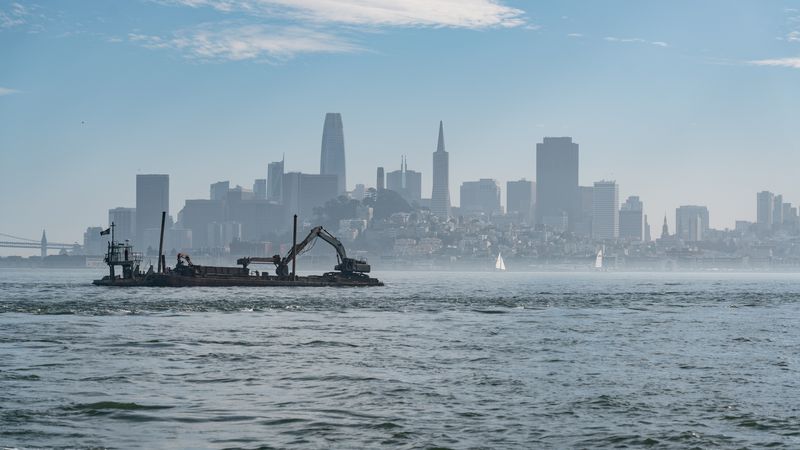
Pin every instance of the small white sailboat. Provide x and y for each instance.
(598, 261)
(500, 264)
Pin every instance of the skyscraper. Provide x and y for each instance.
(260, 189)
(380, 182)
(691, 222)
(440, 197)
(765, 201)
(520, 196)
(605, 215)
(557, 181)
(219, 190)
(152, 197)
(332, 155)
(407, 183)
(275, 181)
(124, 220)
(480, 197)
(632, 219)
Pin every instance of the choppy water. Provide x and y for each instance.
(431, 360)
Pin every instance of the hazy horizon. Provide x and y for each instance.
(679, 103)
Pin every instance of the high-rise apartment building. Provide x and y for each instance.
(605, 212)
(440, 197)
(557, 181)
(332, 160)
(152, 197)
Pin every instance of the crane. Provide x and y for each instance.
(345, 265)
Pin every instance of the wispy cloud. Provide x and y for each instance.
(7, 91)
(407, 13)
(14, 16)
(790, 62)
(575, 35)
(636, 41)
(242, 42)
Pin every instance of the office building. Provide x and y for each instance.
(520, 197)
(765, 202)
(196, 216)
(440, 197)
(332, 161)
(260, 189)
(275, 181)
(605, 212)
(124, 220)
(219, 190)
(93, 243)
(407, 183)
(480, 197)
(691, 222)
(557, 181)
(303, 192)
(777, 211)
(152, 197)
(632, 220)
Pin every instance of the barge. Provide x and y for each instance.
(348, 272)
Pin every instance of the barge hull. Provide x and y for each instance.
(172, 280)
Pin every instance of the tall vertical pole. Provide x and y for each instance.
(294, 245)
(161, 267)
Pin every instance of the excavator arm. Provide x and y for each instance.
(346, 264)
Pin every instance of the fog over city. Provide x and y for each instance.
(204, 92)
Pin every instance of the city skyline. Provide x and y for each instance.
(725, 131)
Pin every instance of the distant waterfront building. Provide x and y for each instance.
(260, 189)
(152, 197)
(765, 202)
(665, 229)
(646, 229)
(407, 183)
(520, 198)
(219, 190)
(380, 182)
(691, 222)
(275, 181)
(557, 181)
(93, 243)
(480, 197)
(632, 220)
(124, 220)
(605, 215)
(440, 197)
(332, 161)
(777, 211)
(43, 246)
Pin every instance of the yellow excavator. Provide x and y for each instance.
(345, 265)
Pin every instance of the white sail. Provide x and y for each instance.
(598, 262)
(500, 264)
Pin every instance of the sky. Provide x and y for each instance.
(681, 102)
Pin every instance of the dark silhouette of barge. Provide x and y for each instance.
(349, 272)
